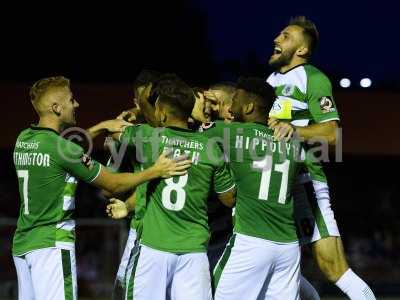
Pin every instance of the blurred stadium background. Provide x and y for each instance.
(103, 49)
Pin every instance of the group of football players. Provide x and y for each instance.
(245, 144)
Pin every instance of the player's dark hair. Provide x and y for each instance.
(177, 95)
(162, 78)
(40, 87)
(259, 90)
(309, 30)
(145, 77)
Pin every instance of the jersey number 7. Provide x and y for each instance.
(25, 176)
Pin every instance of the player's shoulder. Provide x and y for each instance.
(270, 78)
(24, 132)
(315, 75)
(45, 139)
(66, 147)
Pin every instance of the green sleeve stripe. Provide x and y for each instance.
(67, 272)
(301, 114)
(222, 263)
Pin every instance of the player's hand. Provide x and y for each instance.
(128, 115)
(166, 167)
(213, 100)
(115, 125)
(283, 131)
(144, 95)
(272, 122)
(116, 209)
(200, 110)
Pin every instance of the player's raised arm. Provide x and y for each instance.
(326, 130)
(123, 182)
(285, 130)
(115, 126)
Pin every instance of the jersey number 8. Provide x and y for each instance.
(180, 193)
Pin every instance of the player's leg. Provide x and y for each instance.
(25, 287)
(242, 269)
(328, 247)
(130, 244)
(284, 282)
(307, 291)
(148, 274)
(53, 273)
(119, 283)
(191, 279)
(330, 257)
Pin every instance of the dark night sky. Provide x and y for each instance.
(358, 38)
(112, 42)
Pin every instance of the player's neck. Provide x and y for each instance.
(177, 123)
(296, 61)
(47, 122)
(256, 118)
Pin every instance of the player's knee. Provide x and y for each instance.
(329, 255)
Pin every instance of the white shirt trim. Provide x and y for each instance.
(233, 186)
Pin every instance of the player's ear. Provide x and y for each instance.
(248, 108)
(56, 108)
(303, 51)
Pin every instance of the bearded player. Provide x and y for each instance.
(305, 105)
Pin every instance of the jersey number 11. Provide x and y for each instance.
(265, 165)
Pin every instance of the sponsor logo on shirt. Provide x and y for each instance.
(288, 90)
(326, 104)
(276, 106)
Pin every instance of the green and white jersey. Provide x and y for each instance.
(304, 97)
(264, 172)
(48, 167)
(176, 217)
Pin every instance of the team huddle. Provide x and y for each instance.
(245, 144)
